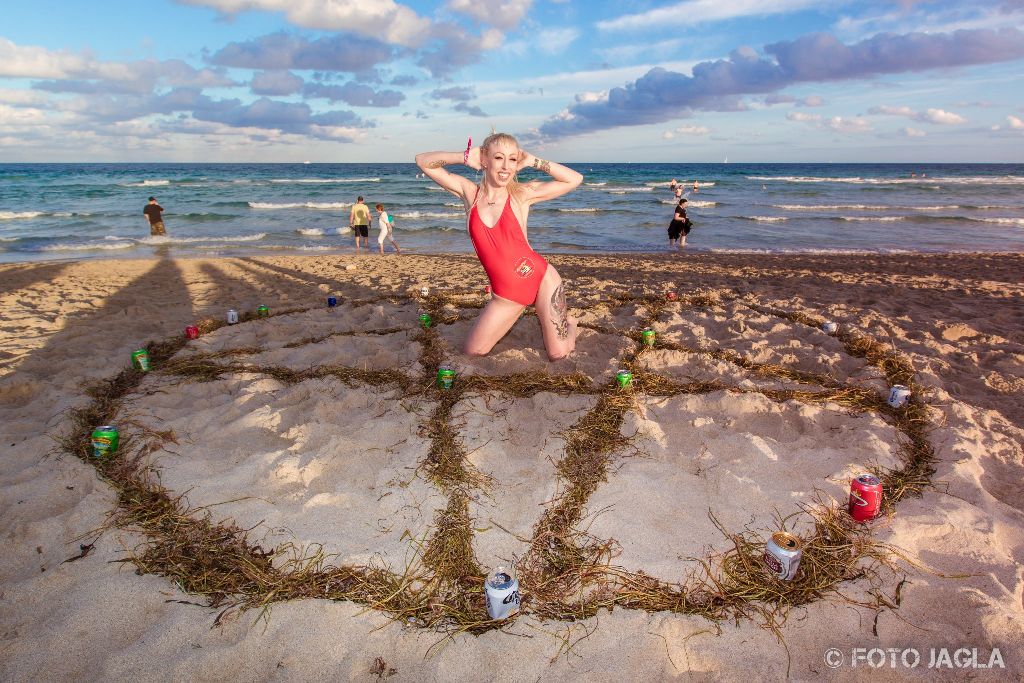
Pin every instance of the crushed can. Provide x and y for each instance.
(332, 301)
(501, 592)
(424, 320)
(263, 312)
(648, 338)
(830, 327)
(232, 317)
(898, 396)
(192, 332)
(671, 296)
(140, 360)
(424, 291)
(624, 378)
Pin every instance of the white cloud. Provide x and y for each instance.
(802, 117)
(854, 124)
(1015, 123)
(501, 13)
(913, 132)
(692, 130)
(939, 116)
(555, 41)
(692, 12)
(942, 117)
(383, 19)
(811, 101)
(630, 51)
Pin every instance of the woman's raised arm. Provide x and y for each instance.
(433, 163)
(563, 178)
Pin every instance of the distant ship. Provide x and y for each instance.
(726, 160)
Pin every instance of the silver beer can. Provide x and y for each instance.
(502, 593)
(830, 327)
(232, 317)
(898, 396)
(424, 291)
(782, 555)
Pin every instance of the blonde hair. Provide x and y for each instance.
(502, 139)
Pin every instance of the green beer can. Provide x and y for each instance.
(104, 441)
(445, 377)
(648, 337)
(140, 360)
(263, 312)
(424, 320)
(624, 378)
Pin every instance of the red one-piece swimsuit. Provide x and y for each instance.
(515, 270)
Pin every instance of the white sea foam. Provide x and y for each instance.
(588, 209)
(457, 205)
(300, 205)
(89, 246)
(863, 207)
(1004, 221)
(429, 214)
(344, 230)
(700, 204)
(323, 181)
(15, 215)
(622, 190)
(596, 184)
(312, 232)
(766, 219)
(873, 218)
(169, 239)
(147, 183)
(436, 188)
(857, 180)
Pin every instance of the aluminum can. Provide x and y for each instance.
(648, 337)
(263, 312)
(104, 441)
(865, 497)
(332, 301)
(830, 327)
(898, 396)
(671, 296)
(140, 360)
(192, 332)
(445, 377)
(232, 317)
(502, 593)
(782, 555)
(424, 291)
(624, 378)
(424, 320)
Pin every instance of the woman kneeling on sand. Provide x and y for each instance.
(497, 210)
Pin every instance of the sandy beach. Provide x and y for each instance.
(345, 463)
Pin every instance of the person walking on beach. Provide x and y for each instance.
(359, 221)
(497, 211)
(387, 227)
(679, 228)
(154, 212)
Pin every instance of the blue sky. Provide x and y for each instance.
(634, 80)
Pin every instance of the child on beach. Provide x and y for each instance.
(386, 226)
(497, 211)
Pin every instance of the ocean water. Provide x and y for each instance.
(59, 211)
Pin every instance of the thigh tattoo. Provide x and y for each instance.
(560, 312)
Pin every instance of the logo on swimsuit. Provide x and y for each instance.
(524, 268)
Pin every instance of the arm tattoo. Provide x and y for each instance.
(560, 312)
(437, 164)
(542, 165)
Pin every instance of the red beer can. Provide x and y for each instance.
(865, 497)
(192, 332)
(671, 296)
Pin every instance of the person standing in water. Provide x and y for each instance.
(497, 211)
(154, 212)
(387, 227)
(359, 221)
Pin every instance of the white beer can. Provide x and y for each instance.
(830, 327)
(502, 593)
(898, 396)
(424, 291)
(232, 317)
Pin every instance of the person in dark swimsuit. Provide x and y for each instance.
(496, 216)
